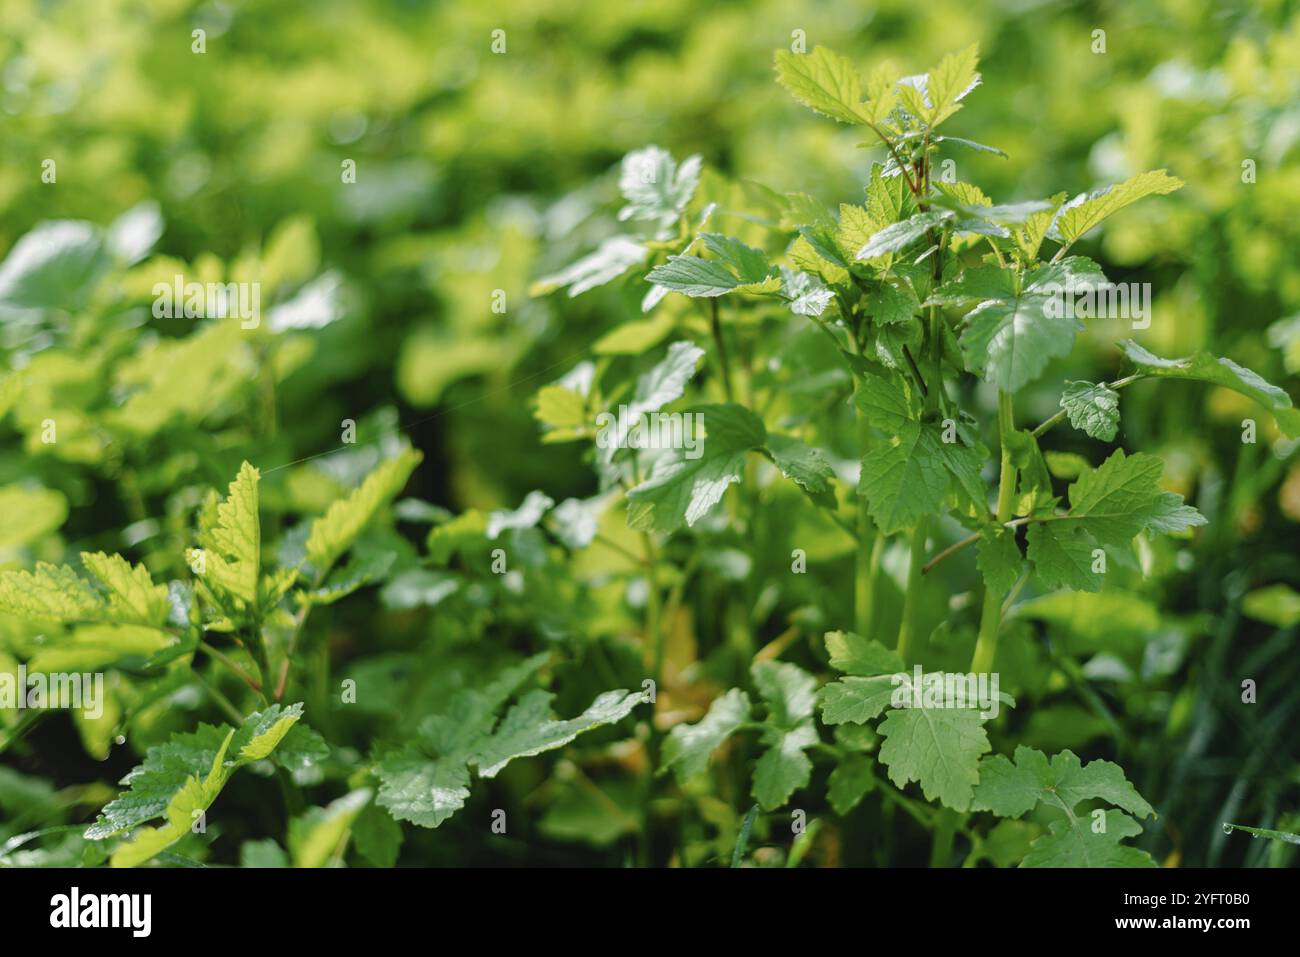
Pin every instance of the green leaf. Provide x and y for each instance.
(948, 83)
(997, 556)
(1118, 497)
(887, 197)
(1035, 482)
(788, 691)
(891, 303)
(1088, 209)
(978, 283)
(899, 236)
(806, 294)
(689, 746)
(855, 228)
(98, 646)
(54, 266)
(1223, 372)
(852, 778)
(528, 728)
(1062, 556)
(694, 276)
(783, 767)
(263, 731)
(133, 598)
(1007, 843)
(181, 380)
(333, 533)
(666, 381)
(1092, 408)
(51, 592)
(262, 854)
(904, 478)
(456, 535)
(634, 337)
(612, 258)
(182, 777)
(1029, 237)
(804, 465)
(564, 413)
(231, 541)
(193, 799)
(887, 402)
(318, 835)
(153, 783)
(57, 593)
(1275, 604)
(1010, 341)
(856, 700)
(655, 187)
(1013, 789)
(823, 81)
(963, 464)
(300, 749)
(527, 515)
(30, 513)
(1109, 505)
(977, 147)
(1074, 843)
(427, 780)
(422, 790)
(738, 268)
(681, 490)
(359, 572)
(376, 836)
(855, 655)
(939, 747)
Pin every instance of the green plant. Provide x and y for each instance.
(923, 287)
(863, 387)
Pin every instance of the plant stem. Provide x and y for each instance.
(871, 543)
(655, 637)
(243, 675)
(653, 625)
(951, 549)
(902, 167)
(221, 700)
(716, 325)
(991, 614)
(912, 597)
(944, 831)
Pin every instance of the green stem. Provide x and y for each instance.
(653, 627)
(912, 598)
(945, 830)
(655, 636)
(715, 323)
(986, 644)
(243, 675)
(221, 700)
(870, 546)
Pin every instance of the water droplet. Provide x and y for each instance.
(1227, 829)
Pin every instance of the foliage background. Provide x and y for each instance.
(479, 172)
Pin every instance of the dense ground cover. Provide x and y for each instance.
(375, 546)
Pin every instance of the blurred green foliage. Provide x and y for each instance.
(479, 172)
